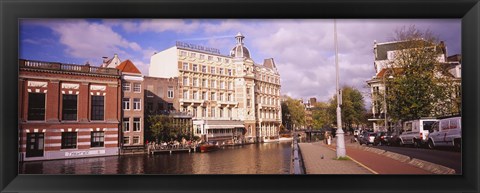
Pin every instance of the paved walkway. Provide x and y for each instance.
(312, 154)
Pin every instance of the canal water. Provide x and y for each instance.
(264, 158)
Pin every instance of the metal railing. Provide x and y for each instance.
(297, 162)
(67, 67)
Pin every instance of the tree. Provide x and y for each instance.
(293, 113)
(161, 127)
(320, 115)
(353, 108)
(419, 85)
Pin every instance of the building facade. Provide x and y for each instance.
(67, 111)
(212, 86)
(384, 55)
(133, 120)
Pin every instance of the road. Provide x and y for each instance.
(444, 157)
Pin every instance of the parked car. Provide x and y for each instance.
(415, 132)
(382, 138)
(367, 138)
(446, 132)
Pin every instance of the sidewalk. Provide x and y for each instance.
(362, 162)
(312, 154)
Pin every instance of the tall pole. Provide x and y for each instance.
(340, 135)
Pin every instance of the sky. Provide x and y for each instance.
(303, 49)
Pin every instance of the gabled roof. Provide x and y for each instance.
(128, 67)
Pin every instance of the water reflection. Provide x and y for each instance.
(267, 158)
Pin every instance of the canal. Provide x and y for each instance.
(264, 158)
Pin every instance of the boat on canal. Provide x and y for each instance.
(270, 139)
(207, 147)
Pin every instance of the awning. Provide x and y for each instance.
(223, 124)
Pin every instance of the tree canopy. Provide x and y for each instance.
(419, 85)
(293, 113)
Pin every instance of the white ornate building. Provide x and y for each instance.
(231, 98)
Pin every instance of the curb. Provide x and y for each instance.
(428, 166)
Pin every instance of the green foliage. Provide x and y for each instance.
(320, 116)
(419, 85)
(293, 113)
(163, 128)
(353, 108)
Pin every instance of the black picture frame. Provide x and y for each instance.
(11, 11)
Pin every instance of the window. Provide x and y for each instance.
(229, 97)
(192, 55)
(126, 104)
(170, 106)
(137, 104)
(220, 71)
(212, 111)
(248, 91)
(204, 69)
(210, 58)
(221, 97)
(212, 96)
(170, 92)
(222, 84)
(126, 124)
(185, 94)
(126, 140)
(136, 124)
(204, 112)
(69, 107)
(221, 112)
(194, 111)
(195, 95)
(69, 140)
(36, 106)
(136, 140)
(219, 59)
(150, 91)
(248, 102)
(185, 66)
(195, 67)
(212, 70)
(149, 106)
(226, 60)
(160, 106)
(204, 83)
(185, 81)
(97, 107)
(230, 72)
(183, 53)
(204, 96)
(137, 87)
(229, 110)
(212, 83)
(97, 139)
(202, 57)
(195, 82)
(230, 85)
(126, 87)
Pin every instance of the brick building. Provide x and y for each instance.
(67, 111)
(133, 106)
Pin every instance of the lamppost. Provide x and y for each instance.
(339, 133)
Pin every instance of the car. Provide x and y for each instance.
(383, 138)
(415, 132)
(446, 132)
(367, 138)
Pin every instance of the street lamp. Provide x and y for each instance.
(341, 152)
(385, 99)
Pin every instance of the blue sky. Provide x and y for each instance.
(302, 49)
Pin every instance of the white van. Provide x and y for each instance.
(446, 132)
(415, 132)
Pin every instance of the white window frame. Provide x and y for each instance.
(128, 102)
(126, 85)
(135, 87)
(139, 124)
(137, 105)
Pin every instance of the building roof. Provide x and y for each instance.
(128, 67)
(269, 63)
(383, 48)
(240, 51)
